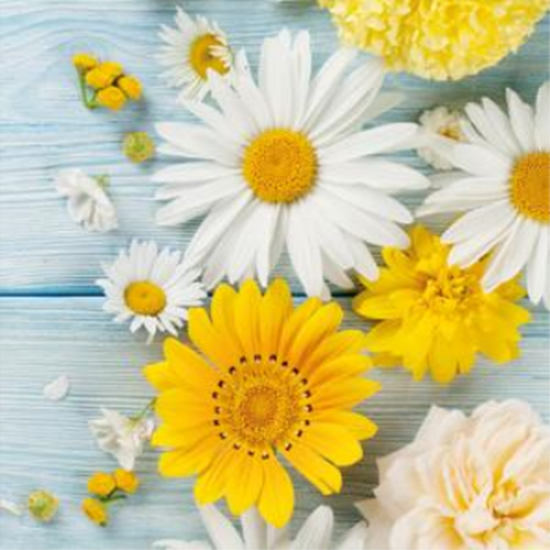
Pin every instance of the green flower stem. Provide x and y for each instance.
(88, 102)
(149, 407)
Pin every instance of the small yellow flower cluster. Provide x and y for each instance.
(107, 488)
(111, 87)
(138, 147)
(437, 39)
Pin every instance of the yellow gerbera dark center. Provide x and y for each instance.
(202, 58)
(145, 298)
(530, 186)
(261, 406)
(280, 165)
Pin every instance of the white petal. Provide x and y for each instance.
(480, 161)
(254, 529)
(58, 388)
(512, 255)
(522, 120)
(355, 538)
(542, 119)
(302, 75)
(363, 260)
(382, 139)
(316, 532)
(11, 507)
(537, 269)
(220, 530)
(482, 188)
(192, 172)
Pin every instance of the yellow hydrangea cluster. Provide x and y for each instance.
(437, 39)
(111, 87)
(107, 488)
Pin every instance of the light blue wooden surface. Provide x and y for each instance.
(50, 312)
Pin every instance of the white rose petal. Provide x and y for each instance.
(58, 388)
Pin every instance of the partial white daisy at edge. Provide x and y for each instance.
(315, 534)
(152, 288)
(191, 49)
(87, 202)
(503, 186)
(284, 163)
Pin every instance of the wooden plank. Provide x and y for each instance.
(44, 127)
(47, 445)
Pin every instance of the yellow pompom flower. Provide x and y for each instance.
(435, 317)
(95, 511)
(43, 505)
(101, 484)
(437, 39)
(99, 79)
(275, 382)
(111, 68)
(131, 86)
(126, 481)
(111, 97)
(84, 61)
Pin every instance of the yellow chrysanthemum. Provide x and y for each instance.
(436, 317)
(437, 39)
(276, 382)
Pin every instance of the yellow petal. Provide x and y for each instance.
(245, 481)
(333, 442)
(160, 376)
(190, 368)
(186, 462)
(212, 482)
(247, 314)
(376, 307)
(179, 405)
(318, 327)
(276, 502)
(326, 477)
(223, 317)
(275, 309)
(443, 361)
(296, 320)
(344, 395)
(345, 366)
(360, 426)
(381, 337)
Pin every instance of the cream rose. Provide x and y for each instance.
(477, 483)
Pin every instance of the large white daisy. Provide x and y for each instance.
(503, 184)
(192, 49)
(315, 534)
(152, 288)
(284, 162)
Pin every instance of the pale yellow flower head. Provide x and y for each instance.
(435, 317)
(43, 505)
(437, 39)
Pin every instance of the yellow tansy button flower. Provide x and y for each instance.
(131, 86)
(126, 481)
(95, 511)
(111, 97)
(43, 505)
(101, 484)
(434, 317)
(273, 382)
(85, 61)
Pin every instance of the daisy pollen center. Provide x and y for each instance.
(145, 298)
(280, 166)
(530, 186)
(202, 58)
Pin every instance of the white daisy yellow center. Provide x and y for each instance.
(202, 58)
(530, 186)
(262, 405)
(280, 165)
(145, 298)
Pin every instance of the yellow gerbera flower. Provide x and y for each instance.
(437, 39)
(276, 381)
(436, 317)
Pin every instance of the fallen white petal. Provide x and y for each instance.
(57, 389)
(10, 507)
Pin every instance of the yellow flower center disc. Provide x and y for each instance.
(530, 186)
(280, 166)
(145, 298)
(202, 58)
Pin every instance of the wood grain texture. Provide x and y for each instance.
(56, 326)
(45, 444)
(45, 128)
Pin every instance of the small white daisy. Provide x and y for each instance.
(284, 162)
(152, 288)
(122, 437)
(439, 125)
(192, 49)
(503, 186)
(87, 202)
(315, 534)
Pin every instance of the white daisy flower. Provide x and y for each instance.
(87, 204)
(440, 125)
(503, 186)
(284, 163)
(122, 437)
(190, 51)
(315, 534)
(152, 288)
